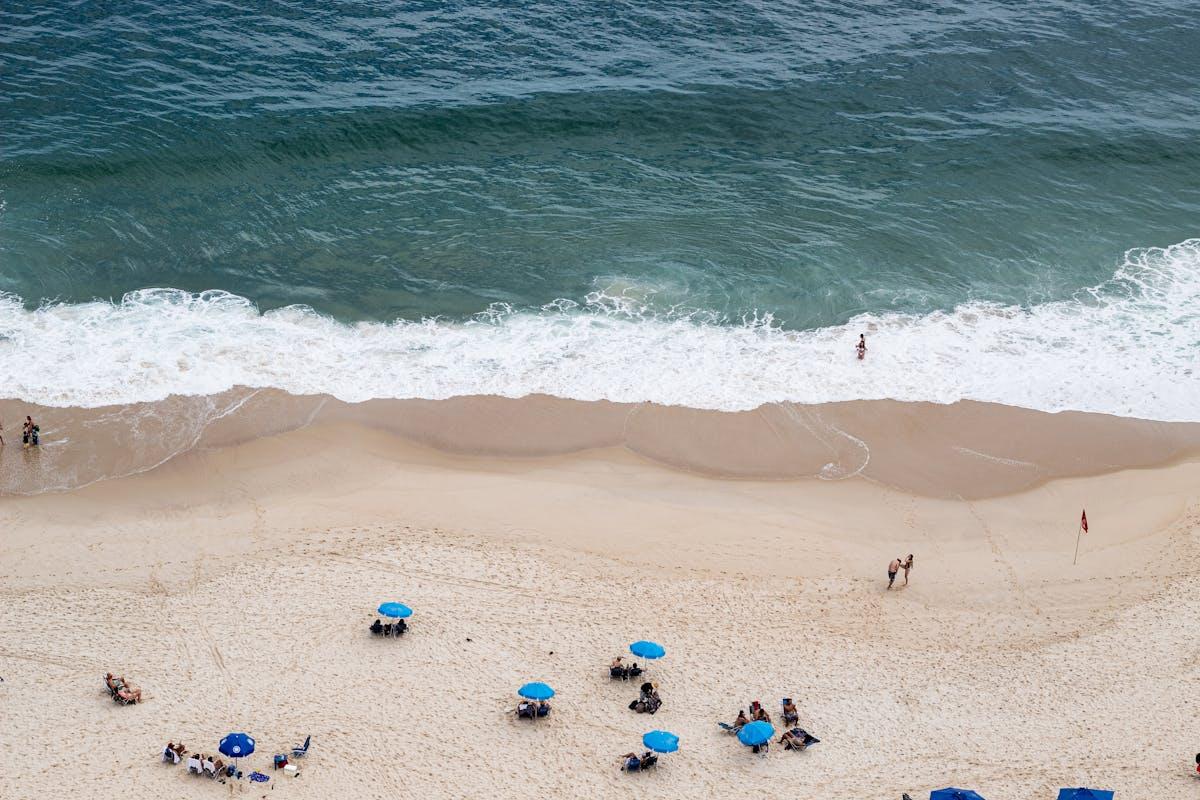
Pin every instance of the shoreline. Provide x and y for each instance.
(967, 449)
(234, 585)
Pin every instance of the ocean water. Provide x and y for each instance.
(694, 204)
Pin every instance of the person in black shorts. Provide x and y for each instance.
(893, 568)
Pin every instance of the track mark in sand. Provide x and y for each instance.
(44, 658)
(1009, 571)
(454, 580)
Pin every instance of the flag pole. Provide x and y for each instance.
(1078, 533)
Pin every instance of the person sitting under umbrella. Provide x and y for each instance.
(218, 767)
(617, 669)
(210, 768)
(632, 762)
(543, 708)
(526, 708)
(377, 627)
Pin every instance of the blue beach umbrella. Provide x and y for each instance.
(1084, 794)
(237, 745)
(661, 741)
(651, 650)
(536, 691)
(396, 610)
(953, 794)
(755, 733)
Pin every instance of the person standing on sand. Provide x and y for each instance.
(907, 566)
(893, 568)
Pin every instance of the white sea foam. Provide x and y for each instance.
(1127, 347)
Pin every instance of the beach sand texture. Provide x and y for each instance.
(235, 586)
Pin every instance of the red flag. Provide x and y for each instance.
(1083, 521)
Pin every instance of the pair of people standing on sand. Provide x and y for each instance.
(899, 564)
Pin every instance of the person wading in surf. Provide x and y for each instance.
(862, 346)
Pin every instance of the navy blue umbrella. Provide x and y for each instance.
(237, 745)
(1084, 794)
(536, 691)
(651, 650)
(661, 741)
(395, 610)
(953, 794)
(755, 733)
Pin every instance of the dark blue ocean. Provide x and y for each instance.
(692, 203)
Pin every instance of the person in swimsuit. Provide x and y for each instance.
(862, 346)
(893, 568)
(27, 431)
(907, 566)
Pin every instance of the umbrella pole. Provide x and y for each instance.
(1078, 534)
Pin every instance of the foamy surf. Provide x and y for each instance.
(1127, 347)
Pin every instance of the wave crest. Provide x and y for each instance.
(1126, 347)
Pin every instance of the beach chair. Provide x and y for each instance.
(648, 761)
(376, 628)
(730, 729)
(807, 740)
(194, 766)
(169, 756)
(302, 750)
(631, 765)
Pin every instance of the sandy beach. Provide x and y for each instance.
(235, 583)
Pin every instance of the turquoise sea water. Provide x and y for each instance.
(691, 203)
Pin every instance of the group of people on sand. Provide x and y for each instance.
(390, 629)
(198, 764)
(122, 690)
(898, 564)
(529, 709)
(31, 433)
(648, 701)
(632, 762)
(617, 670)
(794, 738)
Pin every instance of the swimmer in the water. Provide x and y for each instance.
(862, 346)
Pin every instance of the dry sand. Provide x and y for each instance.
(235, 586)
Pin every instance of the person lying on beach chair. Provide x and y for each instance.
(737, 725)
(797, 739)
(791, 715)
(121, 690)
(377, 627)
(526, 710)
